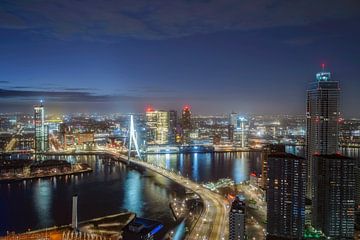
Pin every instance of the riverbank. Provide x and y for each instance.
(48, 175)
(215, 206)
(107, 227)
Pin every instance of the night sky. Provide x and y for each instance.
(252, 56)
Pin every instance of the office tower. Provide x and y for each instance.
(333, 203)
(240, 129)
(232, 126)
(74, 222)
(268, 149)
(241, 132)
(41, 129)
(231, 133)
(186, 124)
(322, 117)
(237, 220)
(357, 186)
(158, 126)
(357, 193)
(173, 126)
(186, 118)
(233, 119)
(285, 196)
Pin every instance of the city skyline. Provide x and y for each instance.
(184, 119)
(78, 64)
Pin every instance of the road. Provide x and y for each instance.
(11, 145)
(256, 226)
(213, 223)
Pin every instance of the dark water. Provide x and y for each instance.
(110, 188)
(113, 187)
(204, 167)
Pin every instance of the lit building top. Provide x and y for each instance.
(323, 76)
(186, 108)
(150, 109)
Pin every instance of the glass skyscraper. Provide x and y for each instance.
(158, 127)
(41, 130)
(322, 119)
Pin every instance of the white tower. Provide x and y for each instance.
(74, 223)
(132, 138)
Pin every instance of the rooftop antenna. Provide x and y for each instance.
(323, 67)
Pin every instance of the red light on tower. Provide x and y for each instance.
(186, 107)
(149, 109)
(323, 67)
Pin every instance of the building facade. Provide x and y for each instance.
(240, 129)
(322, 120)
(186, 124)
(333, 203)
(237, 220)
(158, 127)
(173, 123)
(267, 150)
(41, 129)
(285, 195)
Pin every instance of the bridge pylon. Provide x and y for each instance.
(132, 138)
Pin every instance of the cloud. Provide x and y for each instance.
(4, 81)
(66, 96)
(74, 95)
(77, 89)
(159, 19)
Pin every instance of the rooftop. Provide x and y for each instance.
(332, 156)
(284, 155)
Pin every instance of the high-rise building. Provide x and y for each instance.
(41, 129)
(267, 150)
(285, 196)
(186, 124)
(231, 133)
(322, 119)
(158, 127)
(333, 203)
(357, 192)
(240, 128)
(237, 220)
(173, 126)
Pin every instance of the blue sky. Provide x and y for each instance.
(217, 56)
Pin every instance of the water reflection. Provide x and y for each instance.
(204, 167)
(42, 201)
(181, 161)
(195, 167)
(133, 193)
(240, 170)
(110, 188)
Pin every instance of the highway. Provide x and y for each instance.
(256, 226)
(213, 223)
(11, 145)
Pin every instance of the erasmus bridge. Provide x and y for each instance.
(213, 221)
